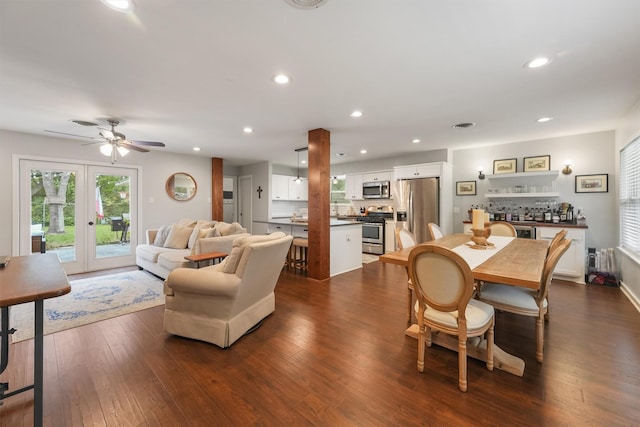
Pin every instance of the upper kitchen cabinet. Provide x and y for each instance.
(284, 187)
(353, 187)
(377, 176)
(425, 170)
(298, 190)
(523, 184)
(279, 187)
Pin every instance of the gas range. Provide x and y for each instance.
(375, 217)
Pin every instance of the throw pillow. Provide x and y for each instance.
(224, 228)
(195, 234)
(161, 235)
(178, 237)
(213, 232)
(186, 222)
(231, 262)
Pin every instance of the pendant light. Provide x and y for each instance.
(298, 180)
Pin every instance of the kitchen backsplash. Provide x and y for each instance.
(286, 208)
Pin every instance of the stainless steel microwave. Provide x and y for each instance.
(376, 190)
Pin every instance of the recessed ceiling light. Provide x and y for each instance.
(247, 129)
(544, 119)
(125, 6)
(415, 141)
(196, 148)
(281, 79)
(363, 151)
(356, 113)
(306, 4)
(341, 154)
(537, 62)
(464, 125)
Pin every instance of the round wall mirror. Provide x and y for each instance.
(181, 186)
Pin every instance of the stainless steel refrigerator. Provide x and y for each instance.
(416, 204)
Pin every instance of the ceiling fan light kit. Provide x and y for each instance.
(305, 4)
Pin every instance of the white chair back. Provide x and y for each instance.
(435, 231)
(405, 238)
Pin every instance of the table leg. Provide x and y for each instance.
(38, 362)
(477, 349)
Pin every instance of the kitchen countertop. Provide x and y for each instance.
(287, 221)
(542, 224)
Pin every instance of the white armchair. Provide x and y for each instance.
(219, 304)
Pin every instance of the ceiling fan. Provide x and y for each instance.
(113, 142)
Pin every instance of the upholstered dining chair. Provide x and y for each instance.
(435, 231)
(502, 228)
(406, 239)
(444, 285)
(524, 301)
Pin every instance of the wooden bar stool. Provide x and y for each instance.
(298, 254)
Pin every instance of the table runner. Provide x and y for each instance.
(475, 257)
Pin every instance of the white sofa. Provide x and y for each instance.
(161, 256)
(220, 303)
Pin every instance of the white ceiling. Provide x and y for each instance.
(195, 72)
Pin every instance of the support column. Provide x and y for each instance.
(217, 174)
(319, 203)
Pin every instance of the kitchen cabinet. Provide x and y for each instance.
(377, 176)
(425, 170)
(353, 187)
(273, 227)
(279, 187)
(571, 264)
(523, 185)
(389, 235)
(298, 190)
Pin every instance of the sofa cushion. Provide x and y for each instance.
(195, 234)
(212, 232)
(186, 222)
(232, 262)
(149, 252)
(161, 235)
(172, 259)
(178, 237)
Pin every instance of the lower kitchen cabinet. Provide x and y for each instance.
(571, 265)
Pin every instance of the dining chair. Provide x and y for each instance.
(435, 231)
(406, 239)
(560, 235)
(444, 285)
(502, 228)
(524, 301)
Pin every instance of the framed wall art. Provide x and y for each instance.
(592, 183)
(465, 188)
(504, 166)
(536, 164)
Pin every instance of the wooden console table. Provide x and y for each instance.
(209, 256)
(25, 279)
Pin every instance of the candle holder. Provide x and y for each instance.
(480, 236)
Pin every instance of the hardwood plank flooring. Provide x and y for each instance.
(334, 353)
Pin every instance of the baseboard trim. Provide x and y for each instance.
(634, 300)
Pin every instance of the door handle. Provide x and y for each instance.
(90, 222)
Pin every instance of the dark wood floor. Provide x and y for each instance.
(335, 354)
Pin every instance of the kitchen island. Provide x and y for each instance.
(345, 240)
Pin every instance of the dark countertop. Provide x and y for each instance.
(287, 221)
(542, 224)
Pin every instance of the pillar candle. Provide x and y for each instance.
(478, 219)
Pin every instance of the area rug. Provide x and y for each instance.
(91, 300)
(367, 258)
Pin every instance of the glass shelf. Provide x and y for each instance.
(553, 173)
(522, 195)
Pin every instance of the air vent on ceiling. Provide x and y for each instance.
(305, 4)
(464, 125)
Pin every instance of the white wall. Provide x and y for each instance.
(628, 130)
(156, 207)
(591, 153)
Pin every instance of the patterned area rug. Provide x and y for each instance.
(90, 300)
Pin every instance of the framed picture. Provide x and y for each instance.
(504, 166)
(465, 188)
(592, 183)
(536, 164)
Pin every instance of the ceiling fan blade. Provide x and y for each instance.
(84, 123)
(148, 143)
(73, 134)
(129, 146)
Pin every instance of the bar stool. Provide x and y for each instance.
(298, 254)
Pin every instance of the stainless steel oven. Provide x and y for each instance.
(525, 231)
(373, 237)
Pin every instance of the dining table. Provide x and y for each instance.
(508, 260)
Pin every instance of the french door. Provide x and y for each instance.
(86, 214)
